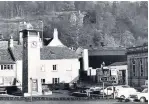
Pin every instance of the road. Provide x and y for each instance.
(69, 102)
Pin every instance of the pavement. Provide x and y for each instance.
(70, 102)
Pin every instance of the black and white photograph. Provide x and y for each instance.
(73, 52)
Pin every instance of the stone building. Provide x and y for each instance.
(137, 60)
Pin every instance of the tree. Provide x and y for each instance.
(128, 39)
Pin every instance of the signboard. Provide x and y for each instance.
(91, 72)
(113, 72)
(104, 79)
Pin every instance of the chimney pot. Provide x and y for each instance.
(55, 34)
(10, 43)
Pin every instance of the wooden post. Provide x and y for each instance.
(103, 89)
(31, 87)
(113, 91)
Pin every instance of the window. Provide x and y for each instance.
(5, 67)
(55, 80)
(42, 81)
(11, 66)
(42, 68)
(133, 67)
(141, 68)
(54, 67)
(2, 67)
(8, 66)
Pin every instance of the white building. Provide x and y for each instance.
(54, 63)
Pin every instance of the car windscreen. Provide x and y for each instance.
(145, 90)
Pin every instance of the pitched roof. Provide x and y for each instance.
(17, 52)
(6, 62)
(5, 55)
(4, 44)
(107, 51)
(118, 63)
(47, 53)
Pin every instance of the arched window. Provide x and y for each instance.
(141, 68)
(133, 67)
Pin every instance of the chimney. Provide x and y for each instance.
(85, 60)
(40, 42)
(55, 34)
(20, 37)
(10, 42)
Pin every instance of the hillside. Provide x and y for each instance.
(80, 23)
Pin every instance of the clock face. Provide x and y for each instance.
(34, 44)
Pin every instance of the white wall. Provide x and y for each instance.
(67, 70)
(7, 75)
(85, 60)
(19, 70)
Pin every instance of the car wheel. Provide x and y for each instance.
(122, 96)
(142, 99)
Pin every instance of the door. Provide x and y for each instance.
(34, 85)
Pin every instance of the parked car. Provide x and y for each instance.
(95, 88)
(124, 93)
(145, 85)
(110, 89)
(141, 96)
(82, 93)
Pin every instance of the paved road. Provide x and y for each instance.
(69, 102)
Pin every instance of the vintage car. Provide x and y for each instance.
(141, 96)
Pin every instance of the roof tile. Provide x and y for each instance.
(47, 53)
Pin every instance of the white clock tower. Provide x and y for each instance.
(31, 82)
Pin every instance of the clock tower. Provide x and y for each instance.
(31, 82)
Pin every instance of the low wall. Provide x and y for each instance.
(50, 98)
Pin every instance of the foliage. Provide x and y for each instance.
(80, 23)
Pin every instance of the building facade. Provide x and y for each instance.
(115, 73)
(36, 64)
(137, 59)
(7, 73)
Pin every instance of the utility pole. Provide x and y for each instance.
(103, 88)
(42, 31)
